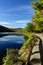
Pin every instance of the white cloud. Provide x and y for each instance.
(18, 8)
(15, 24)
(1, 23)
(23, 21)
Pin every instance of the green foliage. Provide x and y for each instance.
(11, 57)
(29, 27)
(37, 5)
(23, 52)
(30, 38)
(37, 19)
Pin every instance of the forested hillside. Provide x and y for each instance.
(4, 29)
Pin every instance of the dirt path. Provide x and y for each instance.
(37, 52)
(40, 36)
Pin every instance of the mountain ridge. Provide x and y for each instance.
(5, 29)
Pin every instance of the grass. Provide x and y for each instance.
(30, 37)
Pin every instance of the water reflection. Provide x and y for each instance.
(2, 35)
(9, 41)
(10, 33)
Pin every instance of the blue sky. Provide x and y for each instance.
(15, 13)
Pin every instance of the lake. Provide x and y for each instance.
(10, 40)
(8, 32)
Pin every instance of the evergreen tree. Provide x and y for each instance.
(38, 16)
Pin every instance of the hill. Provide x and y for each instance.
(17, 29)
(5, 29)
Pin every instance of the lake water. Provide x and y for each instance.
(9, 41)
(10, 33)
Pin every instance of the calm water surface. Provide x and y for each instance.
(9, 41)
(10, 33)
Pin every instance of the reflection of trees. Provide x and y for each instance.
(2, 35)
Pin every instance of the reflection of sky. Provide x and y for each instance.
(15, 13)
(14, 39)
(11, 42)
